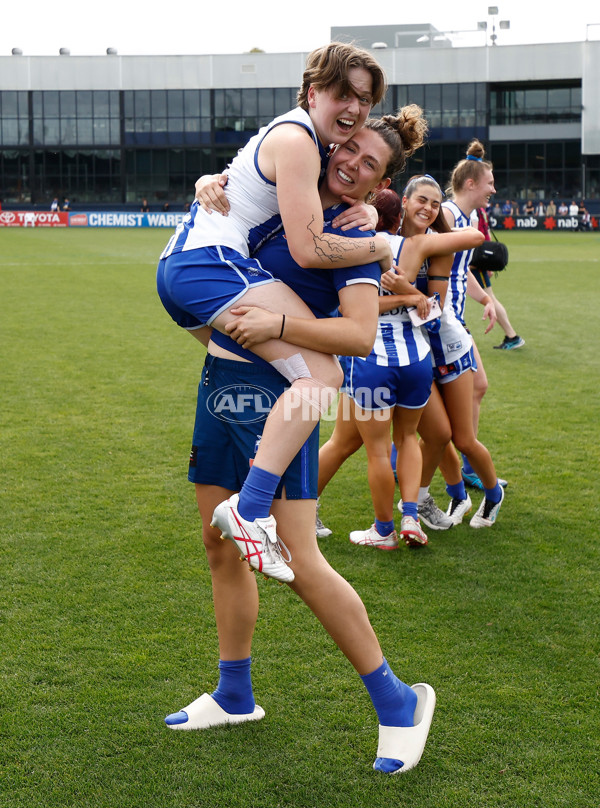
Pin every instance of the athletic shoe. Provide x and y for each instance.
(487, 512)
(458, 508)
(473, 481)
(412, 533)
(371, 538)
(321, 530)
(434, 517)
(509, 343)
(257, 541)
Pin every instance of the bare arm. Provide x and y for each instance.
(210, 193)
(289, 158)
(351, 335)
(475, 291)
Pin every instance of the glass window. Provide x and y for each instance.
(129, 104)
(466, 105)
(449, 105)
(10, 105)
(101, 131)
(554, 154)
(68, 131)
(517, 155)
(159, 103)
(285, 99)
(191, 103)
(102, 105)
(68, 107)
(174, 103)
(573, 157)
(401, 92)
(84, 131)
(84, 104)
(141, 100)
(50, 101)
(249, 103)
(266, 107)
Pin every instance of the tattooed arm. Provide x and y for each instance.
(288, 157)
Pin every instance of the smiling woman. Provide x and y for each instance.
(223, 450)
(206, 267)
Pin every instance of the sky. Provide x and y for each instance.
(134, 27)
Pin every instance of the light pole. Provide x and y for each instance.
(503, 24)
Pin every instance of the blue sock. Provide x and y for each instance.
(234, 691)
(494, 494)
(410, 509)
(467, 467)
(457, 491)
(256, 496)
(384, 528)
(394, 701)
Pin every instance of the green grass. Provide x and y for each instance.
(105, 604)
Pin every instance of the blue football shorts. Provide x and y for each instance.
(379, 387)
(447, 373)
(195, 286)
(234, 400)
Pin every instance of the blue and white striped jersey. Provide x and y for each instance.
(398, 341)
(457, 288)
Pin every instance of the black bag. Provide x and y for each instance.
(491, 256)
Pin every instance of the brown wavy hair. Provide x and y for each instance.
(329, 66)
(403, 132)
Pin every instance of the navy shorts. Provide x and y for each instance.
(234, 400)
(195, 286)
(380, 387)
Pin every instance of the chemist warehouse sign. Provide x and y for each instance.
(22, 218)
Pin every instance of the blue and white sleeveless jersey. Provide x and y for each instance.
(398, 341)
(452, 340)
(252, 198)
(457, 287)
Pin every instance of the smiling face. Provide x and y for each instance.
(357, 166)
(422, 207)
(337, 115)
(482, 189)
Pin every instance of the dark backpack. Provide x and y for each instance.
(491, 256)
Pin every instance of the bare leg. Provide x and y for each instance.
(458, 400)
(410, 459)
(480, 386)
(502, 316)
(235, 594)
(435, 431)
(344, 441)
(330, 597)
(374, 429)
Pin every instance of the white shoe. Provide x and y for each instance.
(434, 517)
(406, 744)
(257, 541)
(321, 531)
(412, 533)
(205, 712)
(487, 512)
(458, 508)
(371, 538)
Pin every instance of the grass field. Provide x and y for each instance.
(105, 600)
